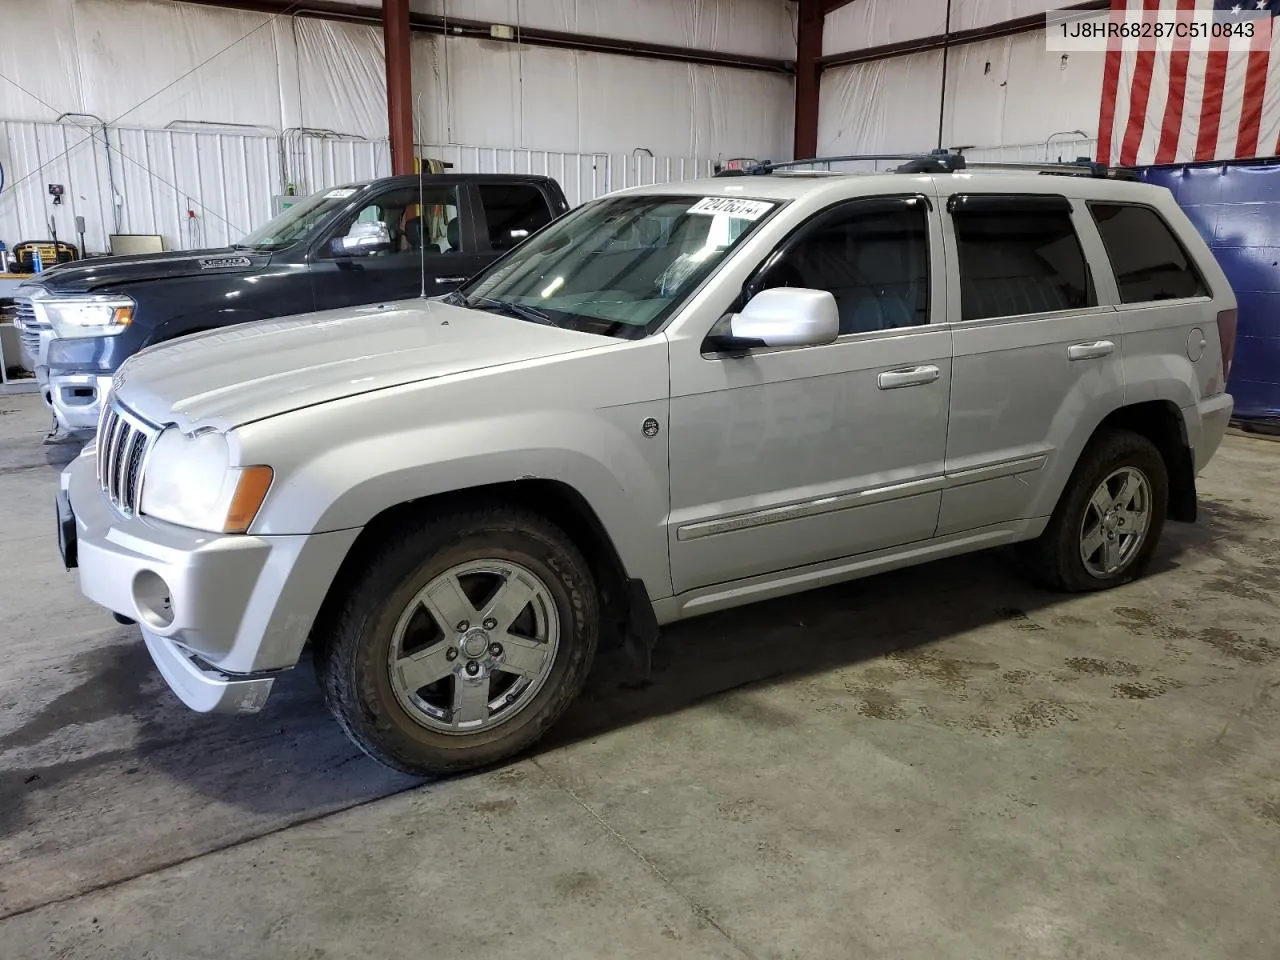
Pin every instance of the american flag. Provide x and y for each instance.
(1182, 100)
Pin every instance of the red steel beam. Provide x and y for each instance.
(810, 16)
(530, 36)
(395, 34)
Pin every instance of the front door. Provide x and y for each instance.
(793, 456)
(1037, 360)
(429, 239)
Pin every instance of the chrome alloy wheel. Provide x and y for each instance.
(1115, 522)
(474, 647)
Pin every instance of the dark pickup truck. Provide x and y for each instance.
(359, 243)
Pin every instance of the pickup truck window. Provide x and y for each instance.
(618, 266)
(512, 211)
(296, 222)
(411, 219)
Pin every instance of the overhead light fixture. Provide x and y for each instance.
(502, 31)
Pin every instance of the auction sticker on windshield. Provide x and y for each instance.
(732, 207)
(340, 194)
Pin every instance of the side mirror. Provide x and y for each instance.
(362, 240)
(782, 317)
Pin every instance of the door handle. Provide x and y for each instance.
(450, 279)
(908, 377)
(1090, 351)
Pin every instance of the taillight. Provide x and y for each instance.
(1227, 338)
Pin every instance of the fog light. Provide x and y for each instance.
(151, 597)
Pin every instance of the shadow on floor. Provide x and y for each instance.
(292, 759)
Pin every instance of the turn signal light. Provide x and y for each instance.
(122, 316)
(251, 490)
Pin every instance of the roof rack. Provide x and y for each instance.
(946, 161)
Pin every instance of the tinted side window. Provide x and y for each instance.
(1148, 260)
(512, 212)
(873, 257)
(1017, 261)
(411, 220)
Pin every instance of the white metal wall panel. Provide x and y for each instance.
(884, 106)
(37, 46)
(1003, 91)
(1010, 90)
(968, 14)
(228, 180)
(339, 82)
(489, 93)
(1055, 150)
(157, 175)
(195, 63)
(253, 72)
(873, 23)
(764, 28)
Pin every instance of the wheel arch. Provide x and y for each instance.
(1161, 422)
(555, 500)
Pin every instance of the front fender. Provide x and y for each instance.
(387, 448)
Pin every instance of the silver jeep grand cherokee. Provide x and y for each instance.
(673, 400)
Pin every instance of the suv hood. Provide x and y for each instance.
(83, 276)
(224, 378)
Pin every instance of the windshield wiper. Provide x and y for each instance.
(510, 308)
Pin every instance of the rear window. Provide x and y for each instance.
(1019, 258)
(512, 212)
(1149, 261)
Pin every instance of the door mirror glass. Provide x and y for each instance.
(787, 317)
(363, 239)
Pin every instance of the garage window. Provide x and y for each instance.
(1018, 256)
(512, 212)
(1148, 260)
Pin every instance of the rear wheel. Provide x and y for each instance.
(462, 642)
(1109, 518)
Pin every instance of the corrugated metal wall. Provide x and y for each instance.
(126, 180)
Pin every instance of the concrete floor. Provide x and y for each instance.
(940, 762)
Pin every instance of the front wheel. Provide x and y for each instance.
(462, 642)
(1109, 518)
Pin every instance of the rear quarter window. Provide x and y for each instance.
(1149, 261)
(512, 211)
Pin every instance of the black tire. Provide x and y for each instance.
(1054, 558)
(352, 649)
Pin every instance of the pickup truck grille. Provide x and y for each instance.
(123, 444)
(29, 325)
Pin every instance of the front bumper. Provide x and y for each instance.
(219, 613)
(1212, 417)
(76, 399)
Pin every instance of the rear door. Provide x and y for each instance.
(1036, 358)
(431, 240)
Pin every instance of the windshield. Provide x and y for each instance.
(298, 221)
(618, 266)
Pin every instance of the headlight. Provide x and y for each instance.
(88, 316)
(190, 482)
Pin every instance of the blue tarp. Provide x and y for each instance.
(1236, 208)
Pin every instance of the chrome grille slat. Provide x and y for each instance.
(29, 325)
(123, 444)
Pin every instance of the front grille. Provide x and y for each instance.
(123, 444)
(29, 325)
